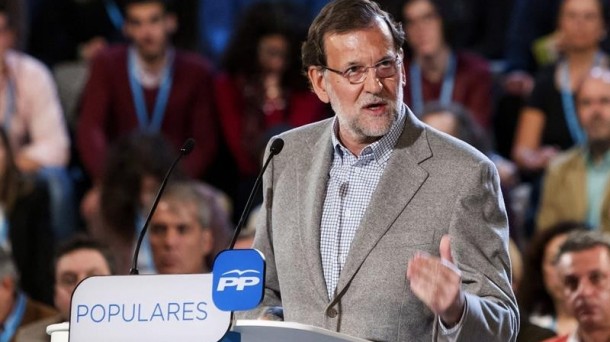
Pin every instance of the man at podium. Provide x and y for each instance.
(373, 224)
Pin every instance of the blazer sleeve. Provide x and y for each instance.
(479, 244)
(263, 241)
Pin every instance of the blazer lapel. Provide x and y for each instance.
(312, 178)
(386, 204)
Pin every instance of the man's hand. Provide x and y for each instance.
(436, 282)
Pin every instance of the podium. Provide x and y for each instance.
(264, 331)
(252, 331)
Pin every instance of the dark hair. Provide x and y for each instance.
(130, 159)
(468, 130)
(603, 7)
(342, 16)
(443, 15)
(533, 297)
(261, 20)
(8, 10)
(167, 4)
(584, 240)
(84, 241)
(11, 182)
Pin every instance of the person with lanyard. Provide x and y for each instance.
(150, 87)
(576, 182)
(436, 72)
(549, 123)
(31, 115)
(16, 309)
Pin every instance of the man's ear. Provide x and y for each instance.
(316, 78)
(401, 58)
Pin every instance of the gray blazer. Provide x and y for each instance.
(432, 185)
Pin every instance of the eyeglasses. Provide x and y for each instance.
(357, 74)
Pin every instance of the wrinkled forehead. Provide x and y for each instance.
(585, 262)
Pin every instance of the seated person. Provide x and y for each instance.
(188, 228)
(16, 308)
(77, 259)
(576, 183)
(583, 264)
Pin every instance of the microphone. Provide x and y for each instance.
(276, 147)
(187, 147)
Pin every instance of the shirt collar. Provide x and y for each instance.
(603, 165)
(380, 149)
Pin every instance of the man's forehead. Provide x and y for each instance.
(585, 261)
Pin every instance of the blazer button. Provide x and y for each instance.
(332, 313)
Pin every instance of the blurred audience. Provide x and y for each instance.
(583, 263)
(458, 122)
(115, 211)
(25, 229)
(436, 71)
(261, 87)
(188, 229)
(33, 118)
(16, 308)
(148, 86)
(77, 258)
(540, 297)
(576, 182)
(70, 30)
(549, 122)
(528, 332)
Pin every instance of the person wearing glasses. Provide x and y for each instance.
(77, 258)
(374, 224)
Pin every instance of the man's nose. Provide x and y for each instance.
(372, 83)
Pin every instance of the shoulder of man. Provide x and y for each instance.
(37, 330)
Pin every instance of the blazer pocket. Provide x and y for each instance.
(407, 239)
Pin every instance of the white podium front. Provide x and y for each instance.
(264, 331)
(252, 331)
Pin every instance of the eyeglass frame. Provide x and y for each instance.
(396, 60)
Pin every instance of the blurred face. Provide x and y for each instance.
(443, 121)
(423, 27)
(273, 53)
(365, 111)
(7, 38)
(71, 269)
(581, 24)
(552, 282)
(149, 28)
(586, 279)
(594, 109)
(179, 243)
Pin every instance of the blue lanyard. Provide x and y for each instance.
(4, 241)
(14, 319)
(567, 100)
(153, 126)
(114, 13)
(417, 97)
(9, 108)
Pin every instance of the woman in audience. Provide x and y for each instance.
(435, 71)
(261, 87)
(540, 295)
(549, 122)
(25, 229)
(134, 169)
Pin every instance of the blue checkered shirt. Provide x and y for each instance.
(350, 186)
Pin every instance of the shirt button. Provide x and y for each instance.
(332, 313)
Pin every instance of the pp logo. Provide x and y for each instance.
(240, 282)
(238, 279)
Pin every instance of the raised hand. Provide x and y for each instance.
(437, 283)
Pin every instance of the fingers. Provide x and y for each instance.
(434, 281)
